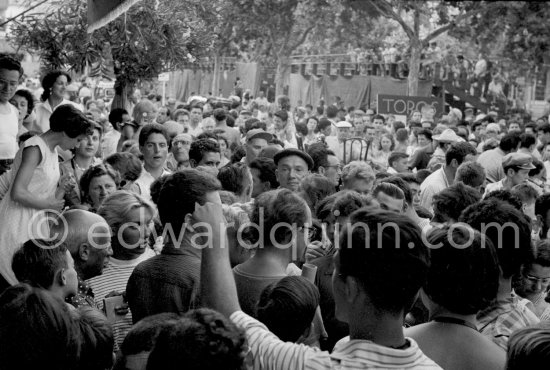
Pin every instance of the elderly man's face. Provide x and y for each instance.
(290, 172)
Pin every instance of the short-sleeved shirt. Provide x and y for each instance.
(503, 317)
(269, 352)
(433, 184)
(491, 160)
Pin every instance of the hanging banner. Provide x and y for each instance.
(405, 105)
(101, 12)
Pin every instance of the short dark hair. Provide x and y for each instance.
(509, 142)
(36, 330)
(347, 202)
(150, 129)
(445, 202)
(459, 151)
(527, 140)
(202, 339)
(379, 116)
(470, 173)
(156, 188)
(143, 335)
(220, 114)
(528, 347)
(332, 111)
(426, 132)
(408, 177)
(115, 116)
(401, 184)
(68, 119)
(287, 307)
(463, 280)
(11, 64)
(368, 253)
(395, 156)
(283, 115)
(180, 192)
(544, 127)
(127, 164)
(49, 80)
(319, 153)
(323, 124)
(389, 189)
(24, 93)
(232, 175)
(267, 169)
(511, 254)
(200, 147)
(505, 196)
(96, 171)
(37, 262)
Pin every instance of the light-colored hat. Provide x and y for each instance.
(479, 117)
(495, 127)
(457, 113)
(520, 160)
(448, 136)
(343, 124)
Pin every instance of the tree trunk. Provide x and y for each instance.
(282, 68)
(122, 92)
(414, 67)
(216, 76)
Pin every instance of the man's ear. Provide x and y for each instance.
(321, 170)
(192, 163)
(277, 175)
(84, 251)
(59, 278)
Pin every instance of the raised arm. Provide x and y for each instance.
(218, 289)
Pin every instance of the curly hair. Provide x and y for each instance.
(94, 172)
(26, 94)
(200, 147)
(316, 187)
(202, 339)
(445, 202)
(127, 164)
(505, 196)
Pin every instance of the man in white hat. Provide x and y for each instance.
(336, 143)
(444, 141)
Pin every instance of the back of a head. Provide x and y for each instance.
(401, 184)
(180, 192)
(347, 202)
(316, 187)
(445, 203)
(505, 196)
(526, 193)
(288, 306)
(38, 261)
(509, 142)
(357, 170)
(376, 242)
(202, 340)
(266, 168)
(236, 178)
(529, 348)
(470, 173)
(464, 273)
(506, 227)
(68, 119)
(459, 151)
(36, 330)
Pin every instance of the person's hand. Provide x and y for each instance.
(55, 204)
(67, 182)
(211, 214)
(315, 250)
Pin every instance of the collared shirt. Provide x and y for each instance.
(269, 352)
(503, 317)
(433, 184)
(168, 282)
(493, 187)
(42, 112)
(392, 171)
(142, 185)
(83, 297)
(491, 160)
(9, 130)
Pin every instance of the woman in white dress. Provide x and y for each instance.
(33, 185)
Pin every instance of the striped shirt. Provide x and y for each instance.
(114, 278)
(503, 317)
(269, 352)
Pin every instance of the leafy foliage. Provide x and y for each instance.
(152, 37)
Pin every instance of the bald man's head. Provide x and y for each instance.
(87, 236)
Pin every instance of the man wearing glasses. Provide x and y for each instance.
(10, 73)
(178, 158)
(325, 163)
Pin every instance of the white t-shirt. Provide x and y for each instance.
(9, 127)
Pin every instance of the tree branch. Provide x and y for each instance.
(388, 11)
(301, 40)
(453, 23)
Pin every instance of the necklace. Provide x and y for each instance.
(454, 320)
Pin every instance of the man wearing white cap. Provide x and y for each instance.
(444, 141)
(336, 143)
(516, 169)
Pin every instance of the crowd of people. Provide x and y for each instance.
(237, 233)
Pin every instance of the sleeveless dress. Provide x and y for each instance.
(15, 219)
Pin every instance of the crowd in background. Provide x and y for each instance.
(218, 233)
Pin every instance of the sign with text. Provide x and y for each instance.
(164, 77)
(405, 105)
